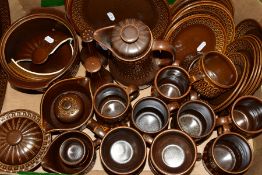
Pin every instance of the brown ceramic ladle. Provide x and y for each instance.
(48, 43)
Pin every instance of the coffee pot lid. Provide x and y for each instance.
(131, 38)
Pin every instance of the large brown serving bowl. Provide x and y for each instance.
(28, 34)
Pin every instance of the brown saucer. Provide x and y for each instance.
(22, 141)
(197, 33)
(87, 15)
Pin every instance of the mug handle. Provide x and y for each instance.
(98, 129)
(148, 139)
(160, 45)
(224, 124)
(132, 91)
(173, 106)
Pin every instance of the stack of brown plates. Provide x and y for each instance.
(4, 24)
(182, 3)
(200, 26)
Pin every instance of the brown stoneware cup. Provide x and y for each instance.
(228, 154)
(172, 85)
(245, 117)
(136, 55)
(67, 105)
(172, 152)
(196, 118)
(72, 152)
(150, 116)
(112, 103)
(123, 151)
(212, 74)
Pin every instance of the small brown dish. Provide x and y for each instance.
(38, 49)
(22, 141)
(67, 105)
(72, 152)
(87, 15)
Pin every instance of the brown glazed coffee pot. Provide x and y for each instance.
(136, 55)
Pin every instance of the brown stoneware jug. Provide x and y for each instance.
(136, 56)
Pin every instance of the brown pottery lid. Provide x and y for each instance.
(131, 38)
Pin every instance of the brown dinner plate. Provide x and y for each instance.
(179, 4)
(197, 33)
(89, 15)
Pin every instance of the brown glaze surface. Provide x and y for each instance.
(94, 63)
(121, 154)
(197, 33)
(175, 143)
(64, 57)
(66, 105)
(87, 16)
(22, 140)
(212, 8)
(4, 24)
(140, 69)
(211, 80)
(248, 27)
(60, 165)
(234, 147)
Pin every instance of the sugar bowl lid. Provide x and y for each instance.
(23, 142)
(131, 38)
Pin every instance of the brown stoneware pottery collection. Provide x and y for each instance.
(202, 68)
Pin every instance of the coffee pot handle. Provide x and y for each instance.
(163, 46)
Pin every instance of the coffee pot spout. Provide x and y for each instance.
(103, 37)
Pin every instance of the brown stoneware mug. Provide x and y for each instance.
(196, 118)
(227, 154)
(72, 152)
(67, 105)
(172, 84)
(245, 117)
(212, 74)
(123, 151)
(112, 103)
(150, 116)
(136, 56)
(172, 152)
